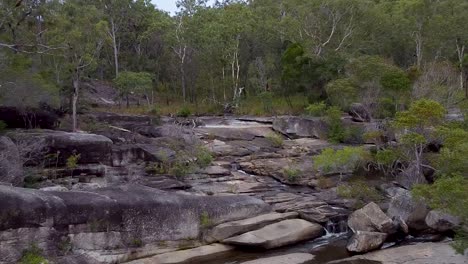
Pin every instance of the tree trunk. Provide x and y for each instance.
(114, 46)
(76, 90)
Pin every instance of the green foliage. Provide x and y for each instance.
(184, 112)
(339, 161)
(386, 157)
(342, 92)
(336, 131)
(276, 139)
(316, 109)
(205, 220)
(33, 255)
(181, 168)
(3, 126)
(360, 191)
(292, 174)
(133, 82)
(421, 114)
(203, 157)
(72, 161)
(396, 80)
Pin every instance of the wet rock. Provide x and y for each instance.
(297, 127)
(194, 255)
(412, 212)
(294, 258)
(441, 221)
(363, 241)
(359, 113)
(370, 218)
(11, 167)
(280, 234)
(230, 229)
(421, 253)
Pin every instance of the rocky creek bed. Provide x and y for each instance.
(257, 202)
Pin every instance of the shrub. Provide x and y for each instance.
(292, 175)
(339, 161)
(33, 255)
(181, 168)
(336, 132)
(184, 112)
(205, 220)
(359, 191)
(316, 109)
(3, 126)
(203, 157)
(276, 139)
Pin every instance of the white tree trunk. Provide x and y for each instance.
(76, 90)
(114, 46)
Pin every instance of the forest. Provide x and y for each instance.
(400, 63)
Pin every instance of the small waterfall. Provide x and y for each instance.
(336, 226)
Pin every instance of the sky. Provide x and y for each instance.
(167, 5)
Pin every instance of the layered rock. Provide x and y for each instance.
(370, 218)
(297, 127)
(279, 234)
(294, 258)
(11, 167)
(363, 241)
(441, 221)
(409, 210)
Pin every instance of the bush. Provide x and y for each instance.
(336, 132)
(33, 255)
(181, 168)
(276, 139)
(205, 220)
(3, 126)
(359, 191)
(292, 175)
(184, 112)
(316, 109)
(203, 157)
(339, 161)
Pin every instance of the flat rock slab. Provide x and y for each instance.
(295, 258)
(423, 253)
(280, 234)
(230, 229)
(194, 255)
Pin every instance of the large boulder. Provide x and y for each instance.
(413, 212)
(230, 229)
(92, 148)
(11, 167)
(441, 221)
(131, 212)
(280, 234)
(363, 241)
(370, 218)
(298, 127)
(359, 113)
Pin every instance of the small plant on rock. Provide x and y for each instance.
(33, 255)
(184, 112)
(205, 220)
(276, 139)
(203, 157)
(72, 162)
(292, 174)
(316, 109)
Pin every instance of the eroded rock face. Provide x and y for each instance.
(441, 222)
(280, 234)
(363, 241)
(412, 212)
(370, 218)
(91, 148)
(129, 211)
(297, 127)
(11, 168)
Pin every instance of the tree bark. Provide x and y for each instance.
(75, 94)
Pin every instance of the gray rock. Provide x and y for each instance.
(280, 234)
(363, 241)
(294, 258)
(91, 148)
(412, 212)
(11, 167)
(410, 177)
(441, 221)
(194, 255)
(56, 188)
(216, 170)
(96, 241)
(230, 229)
(421, 253)
(297, 127)
(370, 218)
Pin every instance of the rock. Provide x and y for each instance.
(441, 222)
(28, 118)
(216, 170)
(221, 148)
(421, 253)
(412, 212)
(363, 241)
(230, 229)
(96, 241)
(410, 177)
(11, 167)
(194, 255)
(132, 209)
(92, 148)
(280, 234)
(370, 218)
(359, 113)
(294, 258)
(297, 127)
(56, 188)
